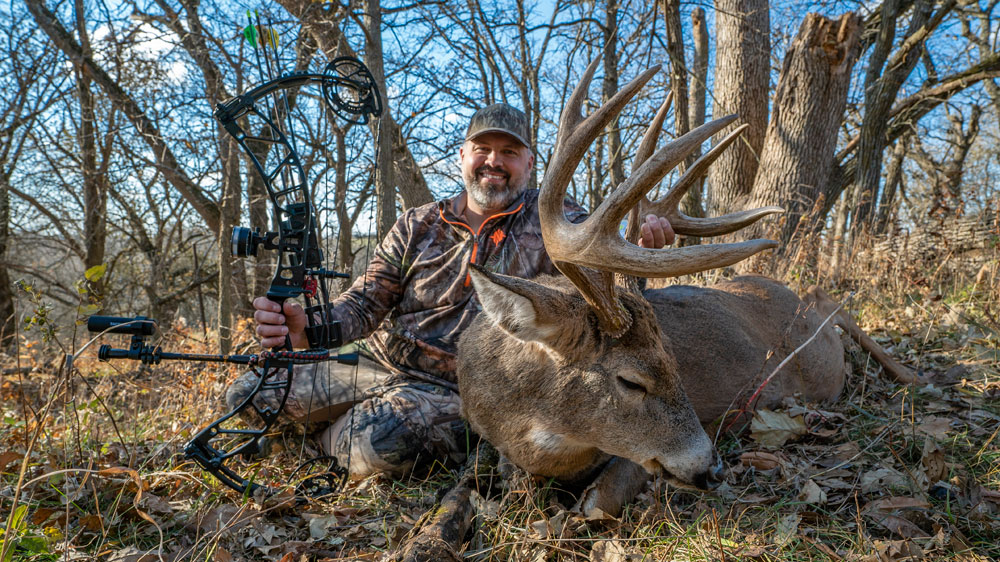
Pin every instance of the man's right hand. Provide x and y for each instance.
(274, 322)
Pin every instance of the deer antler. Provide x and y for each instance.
(597, 243)
(667, 206)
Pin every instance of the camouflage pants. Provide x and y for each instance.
(393, 426)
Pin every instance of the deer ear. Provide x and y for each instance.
(524, 309)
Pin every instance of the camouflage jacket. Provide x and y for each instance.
(416, 297)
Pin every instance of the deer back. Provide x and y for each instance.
(729, 337)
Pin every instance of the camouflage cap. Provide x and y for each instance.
(500, 118)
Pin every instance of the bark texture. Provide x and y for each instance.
(385, 185)
(95, 193)
(8, 324)
(613, 140)
(809, 103)
(441, 536)
(742, 73)
(692, 204)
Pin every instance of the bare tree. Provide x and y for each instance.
(742, 80)
(887, 70)
(945, 174)
(692, 204)
(26, 90)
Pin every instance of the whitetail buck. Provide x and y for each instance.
(583, 380)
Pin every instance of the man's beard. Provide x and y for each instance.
(493, 197)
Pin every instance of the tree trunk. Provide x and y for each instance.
(8, 324)
(678, 69)
(385, 186)
(883, 81)
(809, 103)
(893, 174)
(904, 114)
(229, 208)
(95, 197)
(837, 246)
(613, 140)
(742, 79)
(692, 204)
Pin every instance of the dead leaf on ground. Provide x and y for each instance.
(774, 429)
(897, 502)
(8, 457)
(608, 551)
(92, 523)
(935, 426)
(897, 525)
(898, 551)
(932, 461)
(225, 517)
(156, 504)
(318, 524)
(811, 493)
(41, 515)
(881, 479)
(760, 460)
(895, 514)
(788, 527)
(756, 499)
(133, 554)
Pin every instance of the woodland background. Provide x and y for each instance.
(875, 125)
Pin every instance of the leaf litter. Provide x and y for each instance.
(885, 473)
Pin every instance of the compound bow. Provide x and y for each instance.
(349, 91)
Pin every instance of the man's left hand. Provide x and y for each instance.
(656, 232)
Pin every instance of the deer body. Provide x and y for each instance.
(541, 382)
(729, 337)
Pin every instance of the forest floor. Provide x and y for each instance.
(92, 466)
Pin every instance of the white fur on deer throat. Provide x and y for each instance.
(552, 442)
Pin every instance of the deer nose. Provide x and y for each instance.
(713, 477)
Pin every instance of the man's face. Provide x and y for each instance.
(495, 167)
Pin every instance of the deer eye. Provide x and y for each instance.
(631, 385)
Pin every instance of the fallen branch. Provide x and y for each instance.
(441, 537)
(826, 305)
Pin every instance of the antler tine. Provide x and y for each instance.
(576, 134)
(648, 143)
(646, 148)
(634, 189)
(629, 259)
(668, 205)
(596, 243)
